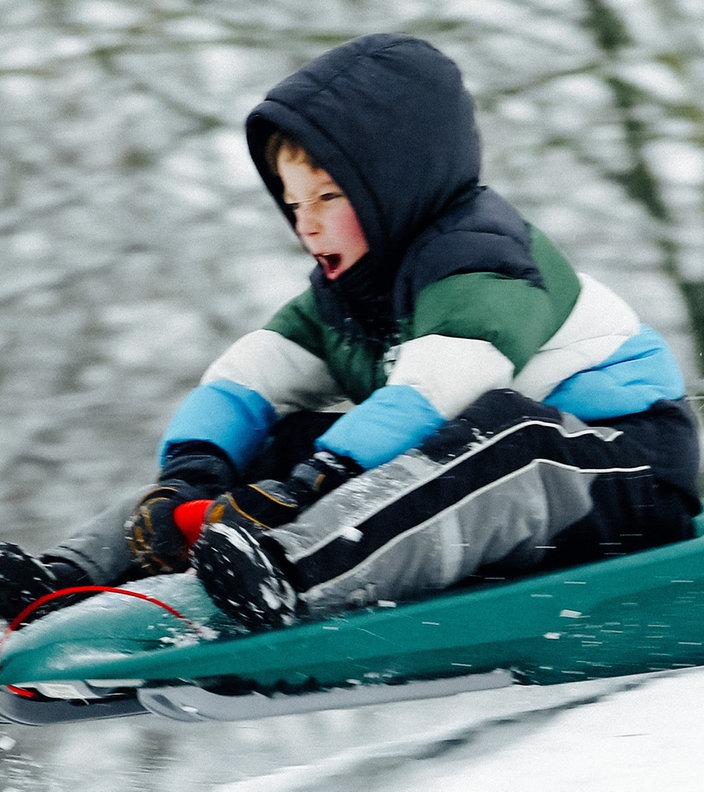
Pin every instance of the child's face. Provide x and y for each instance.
(325, 220)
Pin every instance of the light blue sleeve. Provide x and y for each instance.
(236, 419)
(639, 373)
(392, 420)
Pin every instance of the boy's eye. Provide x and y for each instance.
(325, 197)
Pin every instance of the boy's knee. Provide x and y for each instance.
(493, 412)
(501, 408)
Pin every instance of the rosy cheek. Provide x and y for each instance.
(351, 230)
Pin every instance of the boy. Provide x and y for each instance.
(508, 414)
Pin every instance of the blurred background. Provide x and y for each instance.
(136, 242)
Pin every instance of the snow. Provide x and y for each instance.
(635, 734)
(629, 734)
(677, 161)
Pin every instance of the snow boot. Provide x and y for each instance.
(24, 579)
(242, 569)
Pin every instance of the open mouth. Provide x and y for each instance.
(330, 262)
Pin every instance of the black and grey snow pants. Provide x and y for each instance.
(508, 487)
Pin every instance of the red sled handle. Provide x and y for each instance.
(189, 518)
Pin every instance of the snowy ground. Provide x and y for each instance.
(637, 735)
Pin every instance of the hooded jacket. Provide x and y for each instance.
(457, 295)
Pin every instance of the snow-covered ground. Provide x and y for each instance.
(629, 735)
(638, 734)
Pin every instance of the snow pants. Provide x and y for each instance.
(508, 487)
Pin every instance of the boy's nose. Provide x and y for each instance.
(307, 220)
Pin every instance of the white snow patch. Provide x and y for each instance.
(640, 739)
(677, 162)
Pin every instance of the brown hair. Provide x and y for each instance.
(282, 141)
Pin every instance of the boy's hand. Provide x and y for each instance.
(271, 503)
(154, 539)
(192, 471)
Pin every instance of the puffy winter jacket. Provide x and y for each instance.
(457, 295)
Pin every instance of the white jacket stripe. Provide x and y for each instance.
(289, 377)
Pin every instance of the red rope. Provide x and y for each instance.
(189, 519)
(65, 592)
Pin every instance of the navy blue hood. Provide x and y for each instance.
(388, 117)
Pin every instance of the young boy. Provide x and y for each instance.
(509, 415)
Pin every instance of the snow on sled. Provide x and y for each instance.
(114, 655)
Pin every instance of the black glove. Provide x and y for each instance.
(271, 503)
(239, 562)
(192, 471)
